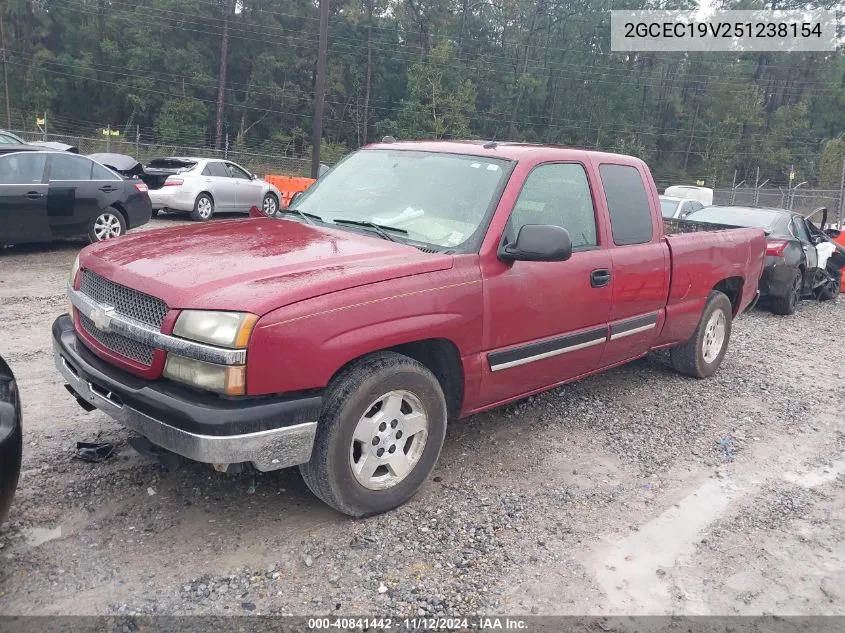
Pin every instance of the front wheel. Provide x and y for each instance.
(701, 356)
(106, 226)
(829, 291)
(270, 204)
(380, 432)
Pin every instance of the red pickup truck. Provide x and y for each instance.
(415, 283)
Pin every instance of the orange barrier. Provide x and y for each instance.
(288, 185)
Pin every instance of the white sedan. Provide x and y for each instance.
(202, 186)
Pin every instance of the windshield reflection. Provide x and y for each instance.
(437, 198)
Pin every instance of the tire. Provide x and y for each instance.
(786, 304)
(830, 292)
(357, 391)
(203, 208)
(701, 356)
(270, 204)
(108, 225)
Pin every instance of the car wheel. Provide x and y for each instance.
(701, 356)
(106, 226)
(787, 303)
(830, 291)
(203, 208)
(379, 435)
(270, 204)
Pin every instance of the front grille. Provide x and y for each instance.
(120, 344)
(125, 301)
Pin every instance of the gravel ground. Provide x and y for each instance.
(635, 492)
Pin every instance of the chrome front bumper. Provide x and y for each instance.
(266, 450)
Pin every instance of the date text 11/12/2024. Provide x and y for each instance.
(419, 624)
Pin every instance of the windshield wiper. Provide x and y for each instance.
(308, 216)
(381, 229)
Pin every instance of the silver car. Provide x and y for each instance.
(202, 186)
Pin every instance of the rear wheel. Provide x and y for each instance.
(108, 225)
(787, 303)
(379, 435)
(701, 356)
(203, 208)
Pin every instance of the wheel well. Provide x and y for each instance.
(732, 287)
(122, 212)
(441, 358)
(207, 193)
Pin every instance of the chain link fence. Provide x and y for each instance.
(259, 163)
(800, 200)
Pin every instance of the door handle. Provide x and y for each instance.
(34, 195)
(108, 189)
(599, 277)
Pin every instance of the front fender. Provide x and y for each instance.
(300, 347)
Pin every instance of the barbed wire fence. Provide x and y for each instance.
(257, 161)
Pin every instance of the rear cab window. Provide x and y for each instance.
(627, 204)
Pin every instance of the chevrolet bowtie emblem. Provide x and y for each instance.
(102, 318)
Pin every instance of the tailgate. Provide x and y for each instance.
(702, 258)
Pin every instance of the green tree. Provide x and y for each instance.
(182, 122)
(831, 163)
(440, 100)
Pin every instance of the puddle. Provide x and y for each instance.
(628, 572)
(39, 535)
(819, 476)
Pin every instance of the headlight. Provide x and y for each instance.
(227, 329)
(226, 379)
(74, 270)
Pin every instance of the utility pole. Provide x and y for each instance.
(45, 128)
(5, 74)
(137, 140)
(320, 89)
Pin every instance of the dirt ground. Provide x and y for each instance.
(635, 492)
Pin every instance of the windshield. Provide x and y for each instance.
(668, 207)
(757, 218)
(437, 199)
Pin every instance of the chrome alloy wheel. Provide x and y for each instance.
(389, 440)
(107, 226)
(714, 336)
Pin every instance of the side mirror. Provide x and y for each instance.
(294, 197)
(538, 243)
(322, 170)
(254, 176)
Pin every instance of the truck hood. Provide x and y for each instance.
(253, 265)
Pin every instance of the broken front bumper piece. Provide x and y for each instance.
(269, 432)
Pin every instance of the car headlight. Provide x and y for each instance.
(74, 269)
(226, 329)
(225, 379)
